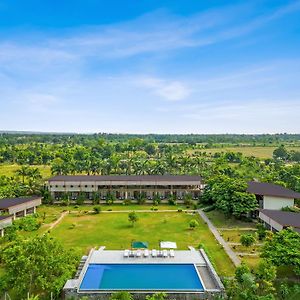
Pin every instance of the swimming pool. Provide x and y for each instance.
(168, 277)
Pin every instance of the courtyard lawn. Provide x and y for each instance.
(251, 261)
(220, 220)
(234, 236)
(84, 231)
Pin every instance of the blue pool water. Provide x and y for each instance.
(141, 277)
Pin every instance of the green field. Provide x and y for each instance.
(83, 231)
(257, 151)
(9, 170)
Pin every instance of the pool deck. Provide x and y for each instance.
(210, 280)
(117, 257)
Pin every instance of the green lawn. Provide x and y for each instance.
(220, 220)
(84, 231)
(9, 170)
(233, 236)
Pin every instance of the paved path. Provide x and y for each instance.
(52, 225)
(235, 259)
(247, 254)
(137, 211)
(237, 228)
(238, 244)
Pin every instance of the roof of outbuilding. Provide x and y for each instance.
(9, 202)
(5, 217)
(270, 189)
(125, 178)
(284, 218)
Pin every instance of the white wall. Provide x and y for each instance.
(5, 222)
(270, 221)
(277, 203)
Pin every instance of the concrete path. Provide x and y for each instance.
(52, 225)
(247, 254)
(238, 244)
(237, 228)
(137, 211)
(235, 259)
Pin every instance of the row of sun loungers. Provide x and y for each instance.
(147, 253)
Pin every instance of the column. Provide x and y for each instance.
(14, 216)
(25, 213)
(34, 209)
(1, 232)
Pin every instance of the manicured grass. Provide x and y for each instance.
(84, 231)
(241, 248)
(251, 261)
(9, 170)
(222, 221)
(120, 207)
(233, 236)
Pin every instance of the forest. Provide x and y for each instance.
(23, 156)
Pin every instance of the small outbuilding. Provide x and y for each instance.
(19, 207)
(277, 220)
(272, 196)
(5, 221)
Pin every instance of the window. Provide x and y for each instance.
(71, 186)
(86, 186)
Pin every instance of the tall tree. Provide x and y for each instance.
(39, 265)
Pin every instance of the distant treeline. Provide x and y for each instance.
(60, 138)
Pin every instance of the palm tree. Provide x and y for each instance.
(23, 172)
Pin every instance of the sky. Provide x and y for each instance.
(150, 66)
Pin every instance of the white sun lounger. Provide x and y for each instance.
(146, 252)
(126, 253)
(172, 253)
(165, 253)
(154, 253)
(138, 253)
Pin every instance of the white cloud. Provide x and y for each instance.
(169, 90)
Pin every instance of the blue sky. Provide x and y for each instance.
(150, 66)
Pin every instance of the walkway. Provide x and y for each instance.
(235, 259)
(52, 225)
(138, 211)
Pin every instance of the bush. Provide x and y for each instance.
(247, 240)
(156, 199)
(261, 231)
(121, 296)
(172, 200)
(97, 209)
(209, 208)
(193, 224)
(291, 209)
(141, 200)
(72, 226)
(127, 202)
(28, 223)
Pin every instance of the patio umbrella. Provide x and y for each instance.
(139, 245)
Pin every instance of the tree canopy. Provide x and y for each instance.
(39, 265)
